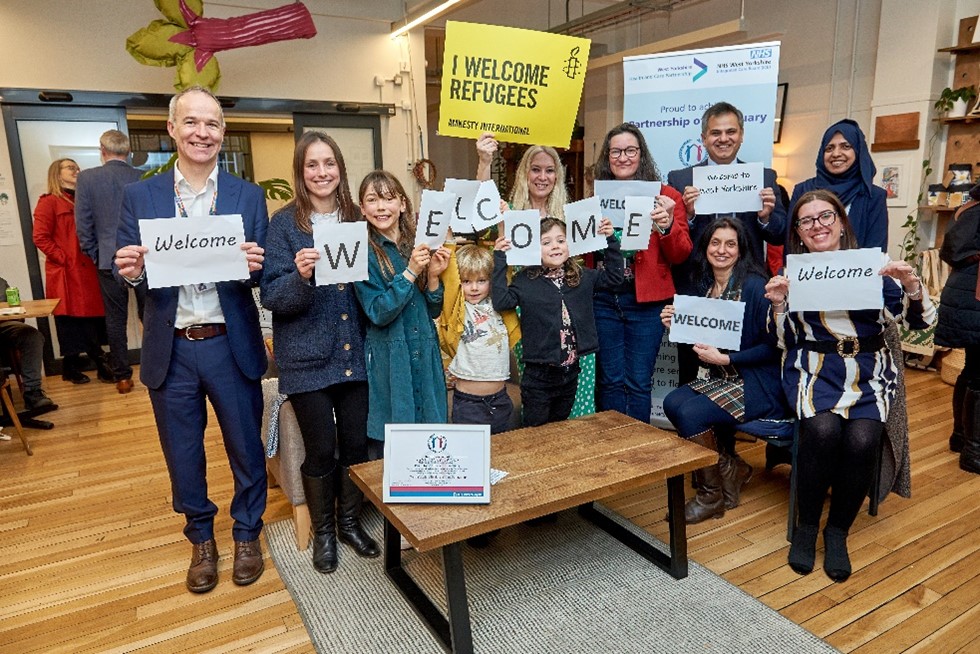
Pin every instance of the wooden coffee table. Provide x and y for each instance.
(551, 468)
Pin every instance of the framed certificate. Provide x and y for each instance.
(437, 464)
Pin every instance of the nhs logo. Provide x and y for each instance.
(760, 53)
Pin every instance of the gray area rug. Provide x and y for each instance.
(561, 588)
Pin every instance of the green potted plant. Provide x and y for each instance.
(954, 102)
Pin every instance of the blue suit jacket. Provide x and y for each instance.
(154, 198)
(98, 202)
(774, 232)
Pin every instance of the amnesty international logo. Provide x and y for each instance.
(572, 64)
(437, 443)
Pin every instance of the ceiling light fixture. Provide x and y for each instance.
(418, 17)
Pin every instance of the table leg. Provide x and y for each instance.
(454, 634)
(676, 563)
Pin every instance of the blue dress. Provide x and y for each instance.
(406, 383)
(862, 386)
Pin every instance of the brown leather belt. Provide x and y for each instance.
(201, 332)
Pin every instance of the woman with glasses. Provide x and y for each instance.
(844, 167)
(840, 377)
(628, 316)
(70, 275)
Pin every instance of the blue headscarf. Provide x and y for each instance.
(856, 180)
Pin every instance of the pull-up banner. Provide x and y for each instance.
(521, 85)
(666, 94)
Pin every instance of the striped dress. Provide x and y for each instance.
(862, 386)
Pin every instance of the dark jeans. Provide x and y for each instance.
(315, 412)
(115, 297)
(30, 343)
(494, 410)
(548, 392)
(629, 340)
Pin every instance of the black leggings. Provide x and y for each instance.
(969, 378)
(838, 454)
(315, 412)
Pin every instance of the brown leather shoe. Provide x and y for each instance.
(248, 562)
(202, 576)
(124, 386)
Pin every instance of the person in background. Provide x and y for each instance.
(98, 202)
(839, 377)
(628, 315)
(71, 276)
(557, 319)
(539, 183)
(733, 387)
(29, 343)
(401, 298)
(959, 326)
(203, 341)
(320, 353)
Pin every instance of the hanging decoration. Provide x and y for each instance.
(188, 41)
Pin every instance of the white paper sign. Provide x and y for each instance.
(486, 206)
(343, 252)
(638, 225)
(707, 321)
(523, 228)
(196, 250)
(437, 464)
(612, 194)
(435, 212)
(728, 189)
(465, 190)
(832, 281)
(582, 226)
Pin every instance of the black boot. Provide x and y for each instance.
(836, 562)
(104, 371)
(970, 455)
(349, 517)
(959, 408)
(320, 496)
(709, 501)
(71, 370)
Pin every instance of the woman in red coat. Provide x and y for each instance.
(70, 275)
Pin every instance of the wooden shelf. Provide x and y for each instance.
(958, 119)
(961, 49)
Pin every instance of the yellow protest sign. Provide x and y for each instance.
(522, 85)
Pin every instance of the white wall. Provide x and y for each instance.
(53, 44)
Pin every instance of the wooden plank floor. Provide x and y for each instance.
(94, 558)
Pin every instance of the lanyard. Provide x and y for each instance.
(183, 210)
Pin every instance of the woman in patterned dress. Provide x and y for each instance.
(840, 378)
(732, 387)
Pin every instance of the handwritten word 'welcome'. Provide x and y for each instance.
(708, 321)
(805, 274)
(189, 242)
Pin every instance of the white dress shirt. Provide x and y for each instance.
(197, 304)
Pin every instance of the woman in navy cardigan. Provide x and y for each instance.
(732, 387)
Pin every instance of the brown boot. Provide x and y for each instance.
(202, 576)
(248, 562)
(709, 501)
(735, 473)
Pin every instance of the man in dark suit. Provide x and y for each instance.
(203, 340)
(722, 131)
(98, 201)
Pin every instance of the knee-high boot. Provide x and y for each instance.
(735, 473)
(970, 455)
(320, 496)
(709, 501)
(349, 517)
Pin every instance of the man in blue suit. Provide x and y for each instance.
(722, 131)
(203, 340)
(98, 202)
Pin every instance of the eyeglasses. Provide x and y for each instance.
(630, 152)
(70, 167)
(825, 218)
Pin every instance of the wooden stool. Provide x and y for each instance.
(9, 404)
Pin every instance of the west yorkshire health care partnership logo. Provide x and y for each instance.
(704, 69)
(437, 443)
